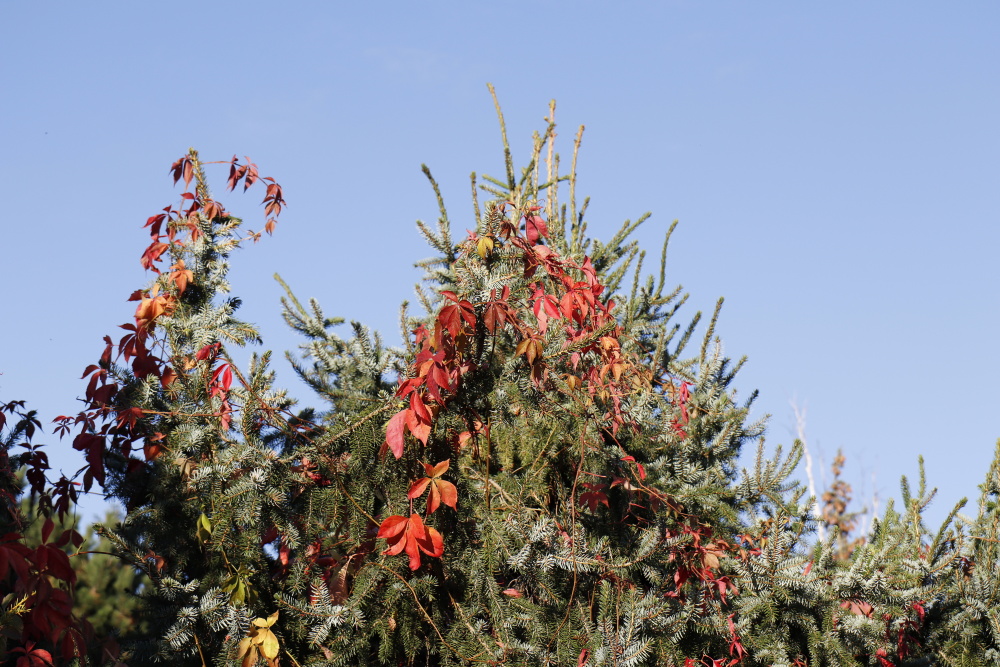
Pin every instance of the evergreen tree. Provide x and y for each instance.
(546, 473)
(107, 590)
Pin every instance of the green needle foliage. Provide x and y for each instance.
(547, 472)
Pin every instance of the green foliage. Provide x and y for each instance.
(107, 589)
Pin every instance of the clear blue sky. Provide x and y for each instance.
(834, 167)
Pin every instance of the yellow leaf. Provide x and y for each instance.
(270, 645)
(266, 622)
(484, 246)
(243, 647)
(204, 528)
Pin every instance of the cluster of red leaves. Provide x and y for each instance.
(442, 491)
(41, 576)
(736, 652)
(698, 559)
(103, 427)
(49, 616)
(681, 396)
(220, 382)
(906, 633)
(410, 535)
(557, 290)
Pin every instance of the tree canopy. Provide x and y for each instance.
(546, 472)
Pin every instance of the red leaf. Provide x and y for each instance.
(408, 385)
(392, 527)
(47, 529)
(418, 487)
(168, 377)
(419, 408)
(412, 536)
(594, 496)
(534, 228)
(208, 351)
(420, 431)
(419, 428)
(394, 433)
(443, 491)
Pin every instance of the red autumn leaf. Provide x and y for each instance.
(534, 228)
(418, 418)
(208, 351)
(93, 445)
(408, 386)
(213, 209)
(858, 607)
(152, 447)
(226, 415)
(452, 316)
(180, 276)
(168, 377)
(594, 496)
(183, 168)
(412, 536)
(153, 254)
(238, 172)
(642, 470)
(442, 491)
(394, 433)
(47, 529)
(273, 200)
(222, 380)
(735, 646)
(418, 487)
(420, 430)
(419, 407)
(545, 306)
(392, 527)
(33, 657)
(155, 223)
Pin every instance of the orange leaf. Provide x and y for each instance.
(418, 487)
(412, 536)
(419, 428)
(447, 491)
(392, 526)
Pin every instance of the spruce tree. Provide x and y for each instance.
(546, 472)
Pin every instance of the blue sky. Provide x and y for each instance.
(834, 167)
